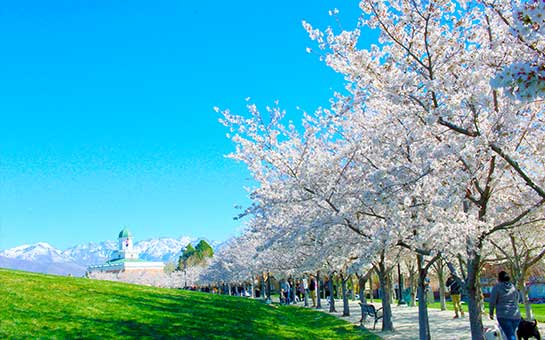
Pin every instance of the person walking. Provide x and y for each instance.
(300, 290)
(504, 299)
(305, 291)
(455, 288)
(312, 289)
(285, 291)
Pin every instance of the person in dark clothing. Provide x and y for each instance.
(312, 289)
(455, 289)
(504, 299)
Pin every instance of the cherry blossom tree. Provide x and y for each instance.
(433, 62)
(420, 150)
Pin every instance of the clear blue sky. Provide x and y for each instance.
(107, 116)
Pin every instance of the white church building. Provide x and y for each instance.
(125, 259)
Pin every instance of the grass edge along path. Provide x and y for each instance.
(537, 309)
(48, 306)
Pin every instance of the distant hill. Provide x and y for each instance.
(44, 258)
(37, 306)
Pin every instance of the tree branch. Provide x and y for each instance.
(518, 169)
(457, 128)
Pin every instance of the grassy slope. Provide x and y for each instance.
(35, 305)
(538, 309)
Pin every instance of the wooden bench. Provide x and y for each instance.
(371, 311)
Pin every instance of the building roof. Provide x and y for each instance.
(125, 233)
(123, 261)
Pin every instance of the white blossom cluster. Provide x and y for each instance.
(525, 79)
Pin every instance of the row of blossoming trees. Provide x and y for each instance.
(435, 150)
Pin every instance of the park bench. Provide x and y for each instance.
(368, 310)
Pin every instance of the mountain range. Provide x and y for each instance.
(44, 258)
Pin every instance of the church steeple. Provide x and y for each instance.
(125, 240)
(125, 249)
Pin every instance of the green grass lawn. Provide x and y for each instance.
(46, 306)
(538, 309)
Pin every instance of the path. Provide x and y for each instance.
(405, 320)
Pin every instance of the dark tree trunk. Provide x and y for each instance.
(331, 295)
(346, 306)
(413, 286)
(473, 291)
(400, 285)
(423, 319)
(387, 324)
(318, 292)
(391, 287)
(442, 289)
(362, 281)
(371, 295)
(263, 287)
(353, 290)
(269, 300)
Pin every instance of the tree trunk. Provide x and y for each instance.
(305, 293)
(346, 306)
(523, 291)
(371, 288)
(361, 283)
(475, 320)
(391, 287)
(263, 287)
(331, 295)
(442, 295)
(353, 291)
(400, 301)
(318, 293)
(442, 288)
(527, 305)
(412, 287)
(387, 324)
(423, 319)
(269, 300)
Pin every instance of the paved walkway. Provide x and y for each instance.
(405, 319)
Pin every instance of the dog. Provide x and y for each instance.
(492, 333)
(528, 329)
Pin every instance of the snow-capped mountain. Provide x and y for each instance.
(42, 257)
(162, 249)
(88, 254)
(33, 252)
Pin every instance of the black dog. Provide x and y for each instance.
(528, 329)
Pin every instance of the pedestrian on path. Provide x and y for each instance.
(312, 289)
(504, 299)
(455, 288)
(305, 291)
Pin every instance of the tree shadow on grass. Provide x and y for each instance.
(122, 312)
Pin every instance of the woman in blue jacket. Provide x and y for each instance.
(505, 299)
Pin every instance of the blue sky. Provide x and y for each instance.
(107, 116)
